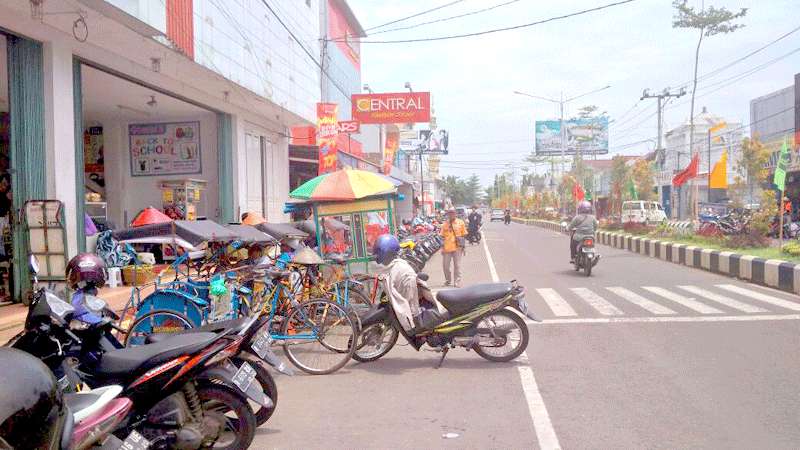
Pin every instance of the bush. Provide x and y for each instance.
(750, 239)
(791, 248)
(635, 228)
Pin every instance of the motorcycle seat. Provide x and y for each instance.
(125, 362)
(228, 326)
(459, 301)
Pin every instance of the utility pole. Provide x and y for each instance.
(665, 94)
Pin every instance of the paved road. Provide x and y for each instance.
(642, 354)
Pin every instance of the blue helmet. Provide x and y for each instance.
(584, 207)
(385, 249)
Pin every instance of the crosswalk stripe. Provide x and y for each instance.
(597, 302)
(685, 301)
(759, 296)
(640, 301)
(557, 304)
(727, 301)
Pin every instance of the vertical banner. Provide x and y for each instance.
(389, 150)
(327, 129)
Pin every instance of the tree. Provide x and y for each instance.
(472, 189)
(709, 22)
(751, 166)
(642, 173)
(619, 176)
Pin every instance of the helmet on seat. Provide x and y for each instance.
(385, 249)
(31, 413)
(86, 270)
(584, 207)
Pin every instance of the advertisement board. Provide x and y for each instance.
(349, 126)
(165, 148)
(434, 142)
(327, 129)
(584, 136)
(399, 107)
(390, 150)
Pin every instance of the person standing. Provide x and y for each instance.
(453, 232)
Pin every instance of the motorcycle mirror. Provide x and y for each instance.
(33, 264)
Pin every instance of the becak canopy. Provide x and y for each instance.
(150, 216)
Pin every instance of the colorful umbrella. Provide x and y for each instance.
(344, 185)
(149, 216)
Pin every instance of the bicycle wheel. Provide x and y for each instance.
(318, 335)
(156, 321)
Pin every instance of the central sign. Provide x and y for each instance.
(400, 107)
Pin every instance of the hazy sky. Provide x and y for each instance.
(631, 47)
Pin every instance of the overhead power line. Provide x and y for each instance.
(415, 15)
(445, 19)
(498, 30)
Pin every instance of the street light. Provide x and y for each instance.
(408, 86)
(367, 88)
(561, 104)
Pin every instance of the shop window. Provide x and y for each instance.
(376, 223)
(337, 236)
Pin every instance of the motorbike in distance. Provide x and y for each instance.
(586, 256)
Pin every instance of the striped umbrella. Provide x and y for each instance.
(344, 185)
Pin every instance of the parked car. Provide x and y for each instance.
(497, 214)
(645, 212)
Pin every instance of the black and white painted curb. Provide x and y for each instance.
(774, 273)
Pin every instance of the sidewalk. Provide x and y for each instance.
(473, 268)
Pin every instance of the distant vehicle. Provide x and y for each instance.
(497, 214)
(461, 211)
(639, 211)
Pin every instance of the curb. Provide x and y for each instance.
(774, 273)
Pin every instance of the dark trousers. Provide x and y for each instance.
(573, 248)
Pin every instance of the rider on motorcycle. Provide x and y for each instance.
(583, 225)
(474, 221)
(403, 286)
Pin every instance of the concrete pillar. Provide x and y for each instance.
(59, 128)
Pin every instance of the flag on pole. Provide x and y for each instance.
(577, 192)
(632, 190)
(780, 168)
(688, 173)
(719, 176)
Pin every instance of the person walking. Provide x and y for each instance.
(453, 232)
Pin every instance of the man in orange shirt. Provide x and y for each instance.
(453, 232)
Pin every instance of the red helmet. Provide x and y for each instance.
(86, 269)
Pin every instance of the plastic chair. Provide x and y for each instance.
(114, 277)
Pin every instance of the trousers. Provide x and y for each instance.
(455, 258)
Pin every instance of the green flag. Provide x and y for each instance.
(780, 168)
(632, 190)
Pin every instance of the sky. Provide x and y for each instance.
(629, 47)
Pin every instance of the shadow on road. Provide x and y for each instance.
(398, 366)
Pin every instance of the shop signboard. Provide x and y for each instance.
(349, 126)
(399, 107)
(326, 136)
(585, 136)
(165, 148)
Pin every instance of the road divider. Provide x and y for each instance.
(774, 273)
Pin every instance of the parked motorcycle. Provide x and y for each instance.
(586, 257)
(475, 318)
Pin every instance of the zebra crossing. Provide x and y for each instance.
(615, 303)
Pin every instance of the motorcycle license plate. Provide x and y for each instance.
(261, 344)
(135, 441)
(588, 250)
(244, 376)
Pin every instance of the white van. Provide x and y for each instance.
(640, 211)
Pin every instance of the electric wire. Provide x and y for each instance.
(445, 19)
(415, 15)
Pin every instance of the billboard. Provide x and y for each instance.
(399, 107)
(584, 136)
(326, 136)
(434, 142)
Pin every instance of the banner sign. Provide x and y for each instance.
(349, 126)
(584, 136)
(326, 136)
(165, 149)
(400, 107)
(389, 150)
(434, 142)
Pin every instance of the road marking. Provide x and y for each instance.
(759, 296)
(685, 301)
(542, 425)
(727, 301)
(682, 319)
(640, 301)
(557, 304)
(597, 302)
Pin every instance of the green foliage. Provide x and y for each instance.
(643, 177)
(619, 175)
(791, 248)
(751, 167)
(767, 210)
(462, 192)
(751, 239)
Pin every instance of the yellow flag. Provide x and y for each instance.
(719, 176)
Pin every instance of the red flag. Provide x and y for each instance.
(577, 192)
(688, 173)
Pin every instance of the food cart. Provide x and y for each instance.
(350, 209)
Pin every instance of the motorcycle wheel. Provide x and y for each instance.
(239, 423)
(509, 322)
(267, 385)
(587, 268)
(384, 333)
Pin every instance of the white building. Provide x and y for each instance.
(115, 96)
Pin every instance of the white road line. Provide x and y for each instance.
(759, 296)
(727, 301)
(597, 302)
(640, 301)
(542, 425)
(685, 301)
(557, 304)
(681, 319)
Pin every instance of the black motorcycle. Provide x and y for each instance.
(474, 233)
(586, 257)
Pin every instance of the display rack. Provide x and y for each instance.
(184, 199)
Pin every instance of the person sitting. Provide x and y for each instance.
(583, 225)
